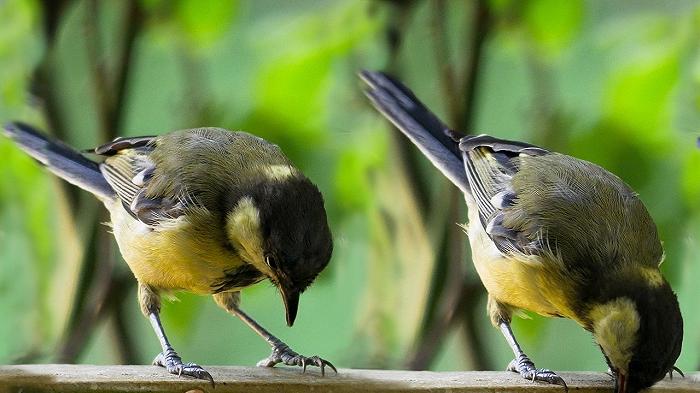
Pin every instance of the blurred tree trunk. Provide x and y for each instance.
(452, 295)
(94, 296)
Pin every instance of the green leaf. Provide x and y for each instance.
(691, 179)
(19, 51)
(292, 87)
(205, 21)
(553, 24)
(639, 94)
(356, 160)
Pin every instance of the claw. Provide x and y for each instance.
(526, 368)
(676, 369)
(329, 364)
(281, 353)
(173, 363)
(610, 373)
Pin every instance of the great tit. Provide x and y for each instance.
(555, 235)
(203, 210)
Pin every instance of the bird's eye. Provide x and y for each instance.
(270, 261)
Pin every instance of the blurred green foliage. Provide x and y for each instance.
(614, 82)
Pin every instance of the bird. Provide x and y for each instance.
(555, 235)
(203, 210)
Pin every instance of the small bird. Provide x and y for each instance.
(555, 235)
(203, 210)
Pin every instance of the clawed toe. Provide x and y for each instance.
(284, 354)
(318, 362)
(174, 365)
(548, 376)
(195, 371)
(526, 368)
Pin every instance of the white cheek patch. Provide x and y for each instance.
(243, 224)
(243, 230)
(653, 276)
(615, 327)
(280, 172)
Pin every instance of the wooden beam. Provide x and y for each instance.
(88, 378)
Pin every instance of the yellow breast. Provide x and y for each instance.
(525, 282)
(177, 256)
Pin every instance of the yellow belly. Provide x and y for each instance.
(176, 257)
(525, 282)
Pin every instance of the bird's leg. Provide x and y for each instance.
(149, 301)
(171, 360)
(281, 353)
(523, 365)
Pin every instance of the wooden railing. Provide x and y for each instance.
(84, 378)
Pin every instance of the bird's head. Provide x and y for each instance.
(640, 334)
(280, 228)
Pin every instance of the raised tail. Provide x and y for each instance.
(418, 123)
(61, 159)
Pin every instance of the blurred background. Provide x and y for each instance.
(614, 82)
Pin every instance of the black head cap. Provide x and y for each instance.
(297, 241)
(659, 338)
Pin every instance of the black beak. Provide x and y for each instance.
(291, 303)
(620, 383)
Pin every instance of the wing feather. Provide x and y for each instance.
(123, 143)
(129, 169)
(490, 164)
(119, 175)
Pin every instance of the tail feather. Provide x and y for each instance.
(61, 159)
(419, 124)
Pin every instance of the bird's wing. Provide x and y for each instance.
(124, 143)
(490, 164)
(129, 169)
(535, 202)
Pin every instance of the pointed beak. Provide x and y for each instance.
(621, 383)
(291, 303)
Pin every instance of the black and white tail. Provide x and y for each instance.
(418, 123)
(61, 159)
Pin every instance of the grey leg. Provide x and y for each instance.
(281, 353)
(523, 365)
(149, 300)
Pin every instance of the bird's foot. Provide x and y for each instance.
(281, 353)
(173, 363)
(526, 368)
